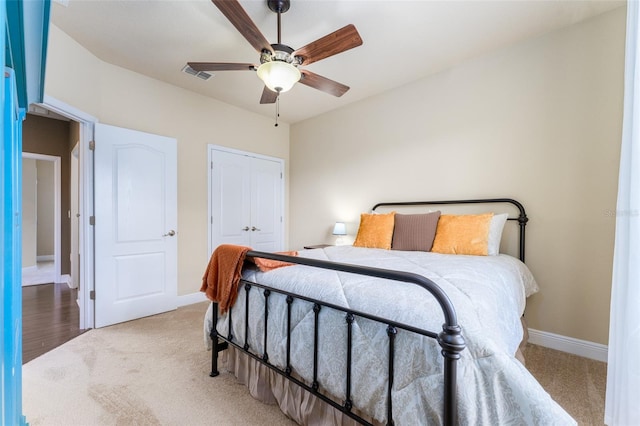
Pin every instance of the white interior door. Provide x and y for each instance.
(246, 200)
(266, 205)
(135, 224)
(231, 196)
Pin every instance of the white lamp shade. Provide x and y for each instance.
(278, 76)
(339, 229)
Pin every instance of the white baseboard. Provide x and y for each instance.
(190, 299)
(45, 258)
(32, 268)
(66, 278)
(570, 345)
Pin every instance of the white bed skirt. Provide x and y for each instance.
(267, 386)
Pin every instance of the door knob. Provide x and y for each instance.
(170, 233)
(246, 228)
(253, 228)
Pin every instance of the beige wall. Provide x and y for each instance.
(46, 208)
(29, 196)
(539, 121)
(126, 99)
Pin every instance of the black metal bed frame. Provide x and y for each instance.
(450, 339)
(522, 216)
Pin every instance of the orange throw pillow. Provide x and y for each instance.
(375, 231)
(463, 234)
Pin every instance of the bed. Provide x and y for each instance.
(352, 334)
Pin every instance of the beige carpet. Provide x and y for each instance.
(155, 371)
(577, 384)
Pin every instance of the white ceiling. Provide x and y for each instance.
(402, 41)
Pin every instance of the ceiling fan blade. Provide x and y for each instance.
(322, 83)
(268, 96)
(220, 66)
(243, 23)
(337, 42)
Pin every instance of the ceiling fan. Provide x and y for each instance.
(279, 63)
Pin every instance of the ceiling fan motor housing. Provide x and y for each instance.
(281, 52)
(278, 6)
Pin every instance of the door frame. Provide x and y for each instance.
(74, 268)
(86, 280)
(57, 215)
(210, 151)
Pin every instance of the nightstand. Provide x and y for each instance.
(317, 246)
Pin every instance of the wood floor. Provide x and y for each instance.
(50, 317)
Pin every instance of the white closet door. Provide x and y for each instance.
(246, 195)
(230, 197)
(266, 202)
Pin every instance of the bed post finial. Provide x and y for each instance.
(522, 221)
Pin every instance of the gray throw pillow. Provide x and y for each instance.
(415, 232)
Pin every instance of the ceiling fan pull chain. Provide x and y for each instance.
(277, 109)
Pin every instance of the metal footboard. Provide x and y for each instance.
(450, 338)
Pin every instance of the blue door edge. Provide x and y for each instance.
(11, 367)
(24, 45)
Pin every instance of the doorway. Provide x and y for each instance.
(76, 162)
(50, 300)
(41, 222)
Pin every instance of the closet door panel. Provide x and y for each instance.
(230, 199)
(266, 205)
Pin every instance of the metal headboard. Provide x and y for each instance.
(522, 218)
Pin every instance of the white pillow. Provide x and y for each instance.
(495, 233)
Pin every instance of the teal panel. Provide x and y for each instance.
(26, 25)
(14, 49)
(11, 369)
(5, 387)
(36, 16)
(26, 47)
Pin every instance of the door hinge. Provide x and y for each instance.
(92, 295)
(92, 145)
(92, 220)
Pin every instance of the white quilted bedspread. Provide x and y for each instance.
(488, 293)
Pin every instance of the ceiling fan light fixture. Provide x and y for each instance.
(279, 76)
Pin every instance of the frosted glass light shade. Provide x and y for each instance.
(339, 229)
(278, 76)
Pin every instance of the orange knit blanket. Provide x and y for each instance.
(221, 278)
(266, 265)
